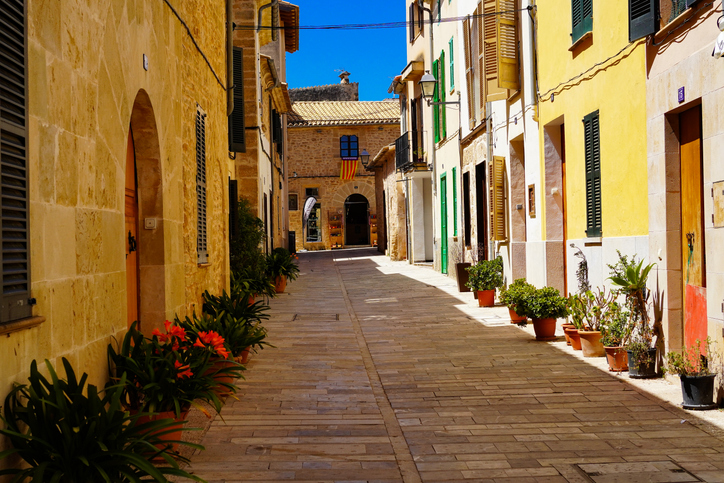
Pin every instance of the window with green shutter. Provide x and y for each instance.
(237, 129)
(452, 65)
(436, 98)
(442, 96)
(15, 257)
(641, 18)
(582, 11)
(593, 174)
(455, 200)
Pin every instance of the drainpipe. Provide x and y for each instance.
(488, 128)
(229, 58)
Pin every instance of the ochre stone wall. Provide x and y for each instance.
(85, 66)
(314, 157)
(393, 223)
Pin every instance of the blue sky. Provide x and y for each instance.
(373, 56)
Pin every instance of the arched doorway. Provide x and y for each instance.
(356, 220)
(144, 212)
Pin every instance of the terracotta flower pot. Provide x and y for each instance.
(617, 359)
(245, 354)
(575, 338)
(486, 298)
(564, 327)
(167, 435)
(591, 343)
(515, 318)
(545, 329)
(280, 283)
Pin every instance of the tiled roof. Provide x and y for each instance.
(344, 113)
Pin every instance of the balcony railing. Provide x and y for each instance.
(408, 151)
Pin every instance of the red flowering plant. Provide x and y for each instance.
(169, 371)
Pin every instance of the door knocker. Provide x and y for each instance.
(131, 243)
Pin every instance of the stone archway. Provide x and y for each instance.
(150, 240)
(356, 220)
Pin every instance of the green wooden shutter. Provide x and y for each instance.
(582, 11)
(237, 128)
(436, 98)
(452, 65)
(233, 209)
(14, 201)
(443, 95)
(455, 200)
(201, 240)
(593, 174)
(642, 19)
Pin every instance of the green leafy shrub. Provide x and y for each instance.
(544, 303)
(245, 248)
(281, 263)
(486, 275)
(69, 432)
(695, 360)
(516, 294)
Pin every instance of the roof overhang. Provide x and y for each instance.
(269, 76)
(386, 153)
(289, 16)
(282, 101)
(413, 71)
(396, 87)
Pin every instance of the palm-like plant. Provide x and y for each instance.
(72, 433)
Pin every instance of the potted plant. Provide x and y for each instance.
(253, 282)
(484, 277)
(238, 321)
(280, 267)
(697, 368)
(576, 308)
(544, 306)
(167, 373)
(65, 430)
(631, 277)
(615, 332)
(514, 296)
(591, 311)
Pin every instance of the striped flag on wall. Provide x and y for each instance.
(349, 168)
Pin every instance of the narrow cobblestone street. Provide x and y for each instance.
(381, 374)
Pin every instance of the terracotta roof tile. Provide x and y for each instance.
(344, 113)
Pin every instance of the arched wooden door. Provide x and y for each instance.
(131, 232)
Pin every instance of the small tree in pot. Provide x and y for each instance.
(514, 296)
(485, 277)
(544, 306)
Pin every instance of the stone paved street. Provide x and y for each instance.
(383, 373)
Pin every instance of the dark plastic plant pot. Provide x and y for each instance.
(698, 391)
(463, 276)
(642, 370)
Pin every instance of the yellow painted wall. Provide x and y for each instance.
(618, 90)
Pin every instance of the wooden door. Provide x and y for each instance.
(443, 223)
(692, 226)
(130, 233)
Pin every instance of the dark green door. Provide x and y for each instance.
(443, 222)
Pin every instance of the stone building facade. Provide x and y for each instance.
(390, 193)
(260, 171)
(345, 212)
(108, 149)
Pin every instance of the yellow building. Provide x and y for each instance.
(114, 159)
(592, 112)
